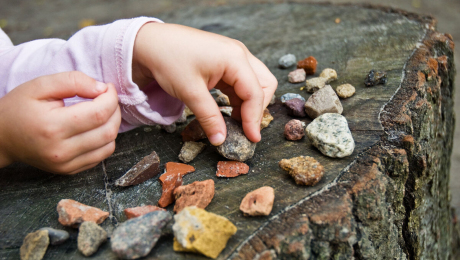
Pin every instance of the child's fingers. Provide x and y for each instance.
(84, 168)
(66, 85)
(267, 80)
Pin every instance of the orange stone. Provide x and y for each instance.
(139, 211)
(199, 194)
(172, 179)
(258, 202)
(231, 169)
(72, 213)
(309, 65)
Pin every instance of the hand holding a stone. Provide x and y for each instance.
(187, 63)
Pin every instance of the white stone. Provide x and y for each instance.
(331, 135)
(345, 90)
(314, 84)
(328, 74)
(226, 110)
(287, 61)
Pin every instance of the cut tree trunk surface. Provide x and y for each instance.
(389, 199)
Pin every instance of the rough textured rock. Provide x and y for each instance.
(72, 213)
(323, 101)
(331, 135)
(297, 76)
(172, 179)
(345, 90)
(287, 61)
(258, 202)
(169, 128)
(375, 78)
(193, 132)
(226, 110)
(199, 194)
(34, 245)
(304, 169)
(145, 169)
(314, 84)
(90, 237)
(230, 169)
(308, 64)
(223, 100)
(196, 230)
(136, 237)
(190, 150)
(289, 96)
(266, 119)
(273, 100)
(182, 118)
(328, 74)
(296, 107)
(236, 146)
(294, 130)
(140, 211)
(56, 236)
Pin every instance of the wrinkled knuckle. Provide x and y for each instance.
(101, 116)
(208, 120)
(57, 156)
(50, 131)
(111, 134)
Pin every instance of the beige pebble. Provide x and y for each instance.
(328, 74)
(314, 84)
(345, 90)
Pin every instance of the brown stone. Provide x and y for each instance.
(139, 211)
(304, 169)
(223, 100)
(72, 213)
(147, 168)
(308, 64)
(323, 101)
(193, 132)
(258, 202)
(231, 169)
(172, 179)
(266, 119)
(199, 194)
(294, 130)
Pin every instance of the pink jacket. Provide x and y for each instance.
(103, 53)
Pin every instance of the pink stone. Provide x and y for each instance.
(199, 194)
(139, 211)
(294, 130)
(231, 169)
(172, 179)
(258, 202)
(72, 213)
(297, 76)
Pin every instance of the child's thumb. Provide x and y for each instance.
(66, 85)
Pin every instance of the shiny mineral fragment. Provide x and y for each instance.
(375, 78)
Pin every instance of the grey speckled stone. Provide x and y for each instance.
(190, 150)
(57, 236)
(136, 237)
(90, 237)
(289, 96)
(287, 61)
(323, 101)
(236, 146)
(331, 135)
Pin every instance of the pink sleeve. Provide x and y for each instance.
(102, 52)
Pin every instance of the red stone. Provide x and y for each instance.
(139, 211)
(72, 213)
(193, 132)
(231, 169)
(199, 194)
(309, 65)
(172, 179)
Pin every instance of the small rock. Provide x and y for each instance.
(304, 169)
(296, 107)
(193, 132)
(190, 150)
(199, 231)
(182, 118)
(145, 169)
(258, 202)
(136, 237)
(169, 128)
(309, 65)
(323, 101)
(172, 179)
(345, 90)
(273, 100)
(287, 61)
(266, 119)
(294, 130)
(34, 245)
(223, 100)
(289, 96)
(297, 76)
(328, 74)
(375, 78)
(314, 84)
(230, 169)
(72, 213)
(56, 236)
(188, 112)
(199, 194)
(236, 146)
(226, 110)
(90, 237)
(331, 135)
(140, 211)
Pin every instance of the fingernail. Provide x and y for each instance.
(100, 87)
(217, 139)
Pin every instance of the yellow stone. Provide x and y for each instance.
(266, 119)
(199, 231)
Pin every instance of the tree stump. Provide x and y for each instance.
(389, 199)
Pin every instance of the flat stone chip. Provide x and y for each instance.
(230, 169)
(258, 202)
(198, 193)
(72, 213)
(190, 150)
(172, 179)
(145, 169)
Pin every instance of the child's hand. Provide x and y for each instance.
(37, 129)
(187, 63)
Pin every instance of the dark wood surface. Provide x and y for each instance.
(371, 201)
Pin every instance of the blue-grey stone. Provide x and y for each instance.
(56, 236)
(287, 61)
(289, 96)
